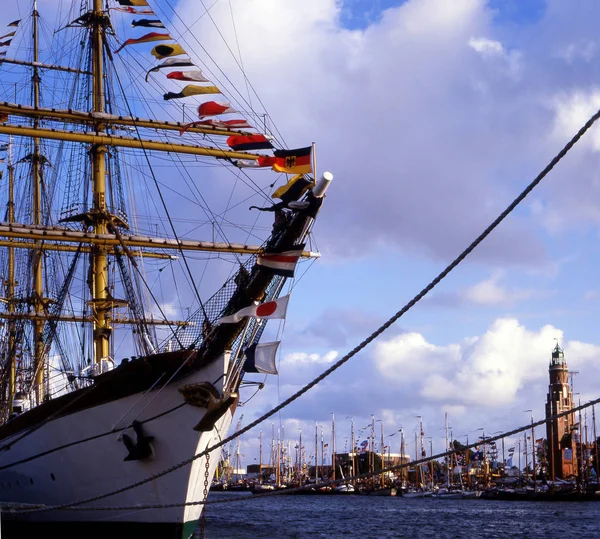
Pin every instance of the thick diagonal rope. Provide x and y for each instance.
(368, 340)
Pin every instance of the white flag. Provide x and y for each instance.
(268, 310)
(262, 358)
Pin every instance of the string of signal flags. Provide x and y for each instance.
(174, 56)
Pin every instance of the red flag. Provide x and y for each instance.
(213, 108)
(193, 76)
(249, 142)
(217, 124)
(268, 310)
(134, 11)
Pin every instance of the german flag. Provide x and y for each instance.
(164, 51)
(296, 161)
(152, 36)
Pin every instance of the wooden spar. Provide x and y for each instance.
(68, 318)
(43, 233)
(90, 118)
(41, 65)
(103, 139)
(74, 248)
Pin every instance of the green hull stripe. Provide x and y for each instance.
(188, 529)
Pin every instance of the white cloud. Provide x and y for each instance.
(488, 371)
(571, 110)
(486, 47)
(397, 113)
(302, 357)
(491, 293)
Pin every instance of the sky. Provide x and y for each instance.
(432, 115)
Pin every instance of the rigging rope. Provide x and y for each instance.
(371, 337)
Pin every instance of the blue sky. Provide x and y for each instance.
(359, 14)
(432, 115)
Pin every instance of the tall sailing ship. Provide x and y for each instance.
(117, 363)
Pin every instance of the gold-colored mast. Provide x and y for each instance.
(101, 306)
(37, 269)
(10, 289)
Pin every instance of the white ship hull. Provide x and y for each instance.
(81, 455)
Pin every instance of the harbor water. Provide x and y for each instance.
(367, 517)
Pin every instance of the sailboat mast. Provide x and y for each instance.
(36, 189)
(447, 456)
(353, 447)
(98, 258)
(416, 458)
(333, 446)
(10, 288)
(382, 455)
(316, 453)
(260, 460)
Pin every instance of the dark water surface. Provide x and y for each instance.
(374, 517)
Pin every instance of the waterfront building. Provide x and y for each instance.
(560, 432)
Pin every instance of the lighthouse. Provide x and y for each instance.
(560, 432)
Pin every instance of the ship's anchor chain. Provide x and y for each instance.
(206, 476)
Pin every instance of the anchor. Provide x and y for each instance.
(142, 448)
(205, 395)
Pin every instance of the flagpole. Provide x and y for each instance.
(314, 160)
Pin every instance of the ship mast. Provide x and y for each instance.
(10, 288)
(37, 268)
(98, 258)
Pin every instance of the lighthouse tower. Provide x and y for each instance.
(562, 457)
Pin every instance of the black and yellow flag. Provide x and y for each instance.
(164, 51)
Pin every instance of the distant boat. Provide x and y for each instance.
(344, 488)
(448, 494)
(417, 494)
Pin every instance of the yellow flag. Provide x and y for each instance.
(299, 187)
(164, 51)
